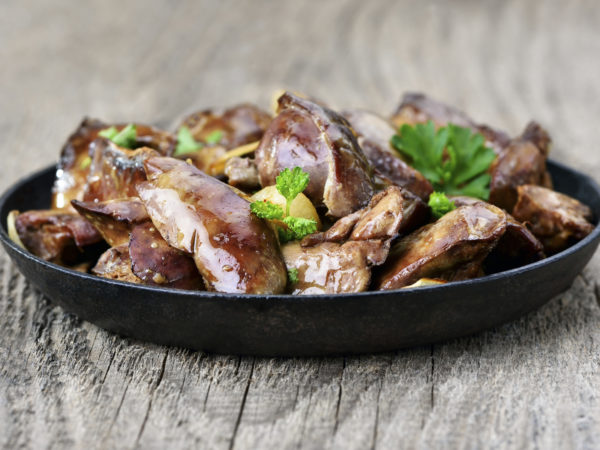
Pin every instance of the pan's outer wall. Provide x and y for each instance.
(309, 325)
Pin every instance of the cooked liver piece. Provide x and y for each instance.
(239, 125)
(521, 162)
(234, 250)
(322, 143)
(73, 169)
(55, 236)
(453, 248)
(374, 135)
(114, 219)
(155, 262)
(556, 219)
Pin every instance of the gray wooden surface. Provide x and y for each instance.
(64, 383)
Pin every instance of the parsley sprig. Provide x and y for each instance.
(125, 138)
(297, 228)
(293, 275)
(453, 159)
(186, 142)
(289, 184)
(267, 210)
(214, 137)
(440, 204)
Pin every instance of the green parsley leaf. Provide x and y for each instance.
(125, 138)
(440, 204)
(300, 226)
(290, 183)
(285, 235)
(186, 142)
(266, 210)
(454, 159)
(108, 133)
(293, 275)
(214, 137)
(85, 163)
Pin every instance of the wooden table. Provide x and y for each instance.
(64, 383)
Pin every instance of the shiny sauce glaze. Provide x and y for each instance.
(234, 250)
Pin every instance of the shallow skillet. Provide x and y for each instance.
(285, 325)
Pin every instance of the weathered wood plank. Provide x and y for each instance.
(65, 383)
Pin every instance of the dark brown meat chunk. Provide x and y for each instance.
(381, 219)
(155, 262)
(233, 249)
(240, 125)
(73, 166)
(114, 219)
(418, 108)
(556, 219)
(56, 236)
(453, 248)
(146, 136)
(517, 246)
(374, 135)
(340, 259)
(114, 171)
(242, 173)
(415, 213)
(522, 162)
(115, 263)
(322, 143)
(538, 136)
(332, 268)
(464, 200)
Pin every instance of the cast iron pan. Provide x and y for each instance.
(285, 325)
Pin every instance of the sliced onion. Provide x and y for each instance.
(12, 229)
(218, 167)
(425, 282)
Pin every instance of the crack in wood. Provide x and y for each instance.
(110, 361)
(376, 424)
(152, 394)
(243, 404)
(306, 413)
(205, 402)
(97, 330)
(339, 399)
(118, 410)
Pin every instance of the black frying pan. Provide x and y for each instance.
(286, 325)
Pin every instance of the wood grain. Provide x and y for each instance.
(534, 383)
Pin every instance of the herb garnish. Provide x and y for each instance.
(300, 226)
(85, 162)
(440, 204)
(186, 142)
(293, 275)
(267, 210)
(214, 137)
(454, 159)
(125, 138)
(289, 184)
